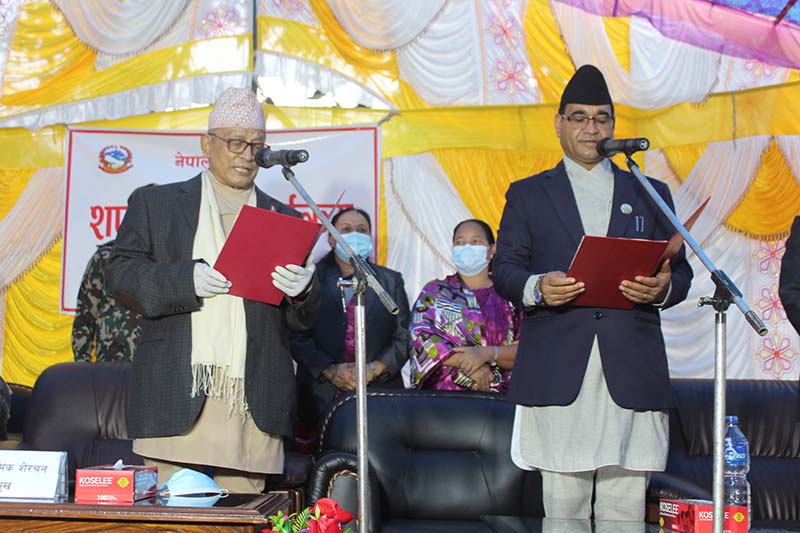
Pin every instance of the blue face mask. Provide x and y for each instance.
(470, 259)
(189, 488)
(361, 243)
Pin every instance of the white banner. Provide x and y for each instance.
(104, 166)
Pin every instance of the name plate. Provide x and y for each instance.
(33, 475)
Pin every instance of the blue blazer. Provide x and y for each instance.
(540, 232)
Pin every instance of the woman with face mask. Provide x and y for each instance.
(326, 354)
(463, 335)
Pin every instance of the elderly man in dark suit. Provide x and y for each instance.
(790, 276)
(591, 384)
(213, 384)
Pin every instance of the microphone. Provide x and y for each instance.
(608, 147)
(267, 158)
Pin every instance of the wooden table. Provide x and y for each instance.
(244, 513)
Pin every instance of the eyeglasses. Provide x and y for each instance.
(237, 146)
(582, 119)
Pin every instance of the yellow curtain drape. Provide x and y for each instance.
(332, 48)
(12, 182)
(482, 177)
(43, 49)
(550, 60)
(618, 31)
(770, 204)
(682, 159)
(48, 66)
(36, 335)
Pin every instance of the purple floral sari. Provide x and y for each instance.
(448, 314)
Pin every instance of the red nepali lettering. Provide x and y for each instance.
(108, 216)
(182, 160)
(327, 209)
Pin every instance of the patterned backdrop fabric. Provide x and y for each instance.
(465, 93)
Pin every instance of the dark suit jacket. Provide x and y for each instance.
(540, 232)
(790, 276)
(151, 271)
(387, 335)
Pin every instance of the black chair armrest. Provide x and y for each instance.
(665, 485)
(18, 406)
(335, 476)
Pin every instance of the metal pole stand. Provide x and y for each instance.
(726, 293)
(364, 276)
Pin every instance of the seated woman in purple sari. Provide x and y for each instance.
(462, 333)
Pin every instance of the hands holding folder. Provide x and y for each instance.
(617, 272)
(559, 288)
(262, 259)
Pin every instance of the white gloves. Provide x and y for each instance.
(209, 282)
(293, 279)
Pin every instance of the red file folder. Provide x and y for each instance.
(259, 241)
(602, 263)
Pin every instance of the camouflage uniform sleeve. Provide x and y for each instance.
(84, 327)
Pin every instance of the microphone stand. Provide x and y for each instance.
(364, 276)
(726, 293)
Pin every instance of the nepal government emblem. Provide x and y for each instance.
(115, 159)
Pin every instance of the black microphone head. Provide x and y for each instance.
(268, 158)
(601, 146)
(263, 158)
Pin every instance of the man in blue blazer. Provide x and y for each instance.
(591, 383)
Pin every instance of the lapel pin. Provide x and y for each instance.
(626, 209)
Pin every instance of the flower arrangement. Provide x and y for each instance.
(324, 517)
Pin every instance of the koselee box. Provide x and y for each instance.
(113, 485)
(697, 516)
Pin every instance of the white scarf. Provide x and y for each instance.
(219, 330)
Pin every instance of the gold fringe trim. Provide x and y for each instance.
(33, 263)
(417, 230)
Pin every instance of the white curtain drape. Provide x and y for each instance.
(202, 19)
(9, 14)
(724, 172)
(32, 225)
(276, 72)
(664, 72)
(176, 94)
(689, 331)
(120, 28)
(385, 24)
(657, 166)
(441, 64)
(422, 208)
(472, 54)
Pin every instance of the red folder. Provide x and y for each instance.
(602, 263)
(259, 241)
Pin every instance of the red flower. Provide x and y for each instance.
(323, 524)
(328, 508)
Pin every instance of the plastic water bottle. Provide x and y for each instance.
(737, 464)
